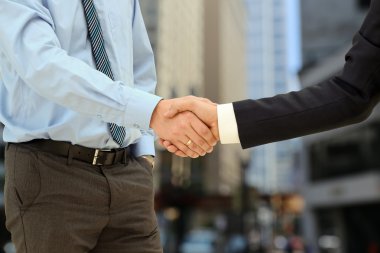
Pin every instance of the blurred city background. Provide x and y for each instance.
(318, 194)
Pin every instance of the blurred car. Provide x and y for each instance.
(237, 243)
(199, 241)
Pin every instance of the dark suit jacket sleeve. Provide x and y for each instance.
(345, 99)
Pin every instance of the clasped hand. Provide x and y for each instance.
(187, 127)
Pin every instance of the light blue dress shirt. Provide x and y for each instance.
(50, 88)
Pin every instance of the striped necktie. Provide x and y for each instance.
(101, 58)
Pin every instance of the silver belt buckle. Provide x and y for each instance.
(96, 156)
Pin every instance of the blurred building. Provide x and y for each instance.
(149, 9)
(200, 50)
(274, 59)
(196, 56)
(327, 26)
(273, 62)
(343, 176)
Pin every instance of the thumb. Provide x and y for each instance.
(172, 111)
(215, 132)
(208, 101)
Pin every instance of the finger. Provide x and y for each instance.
(173, 149)
(167, 143)
(185, 149)
(181, 154)
(173, 111)
(170, 147)
(198, 137)
(179, 105)
(199, 143)
(161, 142)
(215, 132)
(196, 141)
(183, 135)
(202, 130)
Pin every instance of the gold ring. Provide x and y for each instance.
(188, 143)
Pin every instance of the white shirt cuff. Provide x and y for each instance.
(228, 131)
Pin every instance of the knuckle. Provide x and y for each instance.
(194, 146)
(185, 149)
(205, 131)
(187, 115)
(202, 143)
(182, 124)
(211, 139)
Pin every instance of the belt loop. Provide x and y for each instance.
(70, 156)
(125, 156)
(7, 146)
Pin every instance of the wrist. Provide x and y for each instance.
(154, 117)
(155, 114)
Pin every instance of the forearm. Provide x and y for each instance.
(34, 51)
(319, 108)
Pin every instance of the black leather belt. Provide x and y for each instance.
(84, 154)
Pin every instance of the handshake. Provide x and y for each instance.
(187, 127)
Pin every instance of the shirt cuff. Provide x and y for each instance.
(228, 131)
(139, 109)
(145, 145)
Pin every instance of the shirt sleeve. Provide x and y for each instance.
(228, 131)
(33, 49)
(144, 72)
(145, 145)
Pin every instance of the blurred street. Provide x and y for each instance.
(317, 194)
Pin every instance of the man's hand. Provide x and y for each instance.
(203, 108)
(185, 130)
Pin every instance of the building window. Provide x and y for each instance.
(353, 152)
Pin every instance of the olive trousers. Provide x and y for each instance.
(53, 206)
